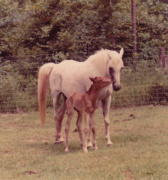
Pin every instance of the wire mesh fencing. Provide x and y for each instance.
(146, 85)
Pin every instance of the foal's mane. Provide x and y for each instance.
(90, 89)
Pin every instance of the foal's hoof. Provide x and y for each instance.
(59, 141)
(85, 150)
(96, 148)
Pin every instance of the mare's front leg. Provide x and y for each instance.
(106, 108)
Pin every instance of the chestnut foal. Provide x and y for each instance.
(85, 104)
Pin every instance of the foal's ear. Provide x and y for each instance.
(121, 52)
(92, 79)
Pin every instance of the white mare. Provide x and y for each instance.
(72, 76)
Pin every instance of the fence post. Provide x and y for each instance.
(134, 37)
(112, 27)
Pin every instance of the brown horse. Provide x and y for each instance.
(85, 104)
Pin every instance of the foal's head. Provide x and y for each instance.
(100, 82)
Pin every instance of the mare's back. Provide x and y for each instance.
(73, 75)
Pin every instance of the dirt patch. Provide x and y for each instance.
(29, 172)
(131, 117)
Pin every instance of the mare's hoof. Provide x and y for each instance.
(89, 145)
(109, 143)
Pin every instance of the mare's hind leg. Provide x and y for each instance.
(58, 117)
(55, 86)
(106, 108)
(61, 114)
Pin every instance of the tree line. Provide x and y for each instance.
(34, 32)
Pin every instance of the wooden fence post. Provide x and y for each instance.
(134, 36)
(163, 59)
(112, 27)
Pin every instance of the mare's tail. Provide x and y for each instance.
(43, 78)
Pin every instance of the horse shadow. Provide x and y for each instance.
(51, 148)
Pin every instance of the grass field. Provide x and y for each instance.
(139, 152)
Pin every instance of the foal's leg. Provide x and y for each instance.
(86, 131)
(67, 126)
(79, 126)
(106, 108)
(93, 130)
(90, 144)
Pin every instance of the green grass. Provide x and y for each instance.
(140, 148)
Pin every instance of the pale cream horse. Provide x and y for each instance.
(72, 76)
(85, 104)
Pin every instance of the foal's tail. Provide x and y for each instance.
(43, 78)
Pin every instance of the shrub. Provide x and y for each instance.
(148, 85)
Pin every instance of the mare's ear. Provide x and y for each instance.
(108, 54)
(121, 52)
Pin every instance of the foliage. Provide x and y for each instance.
(148, 85)
(36, 32)
(159, 90)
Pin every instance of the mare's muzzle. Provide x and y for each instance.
(116, 87)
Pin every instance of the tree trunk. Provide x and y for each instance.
(112, 27)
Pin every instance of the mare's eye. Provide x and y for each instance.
(111, 70)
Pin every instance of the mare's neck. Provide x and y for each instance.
(99, 61)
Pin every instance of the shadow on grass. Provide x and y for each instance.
(130, 138)
(51, 148)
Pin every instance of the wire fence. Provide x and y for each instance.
(18, 88)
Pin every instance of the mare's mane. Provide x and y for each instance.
(96, 55)
(99, 59)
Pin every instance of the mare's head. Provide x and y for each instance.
(100, 82)
(114, 67)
